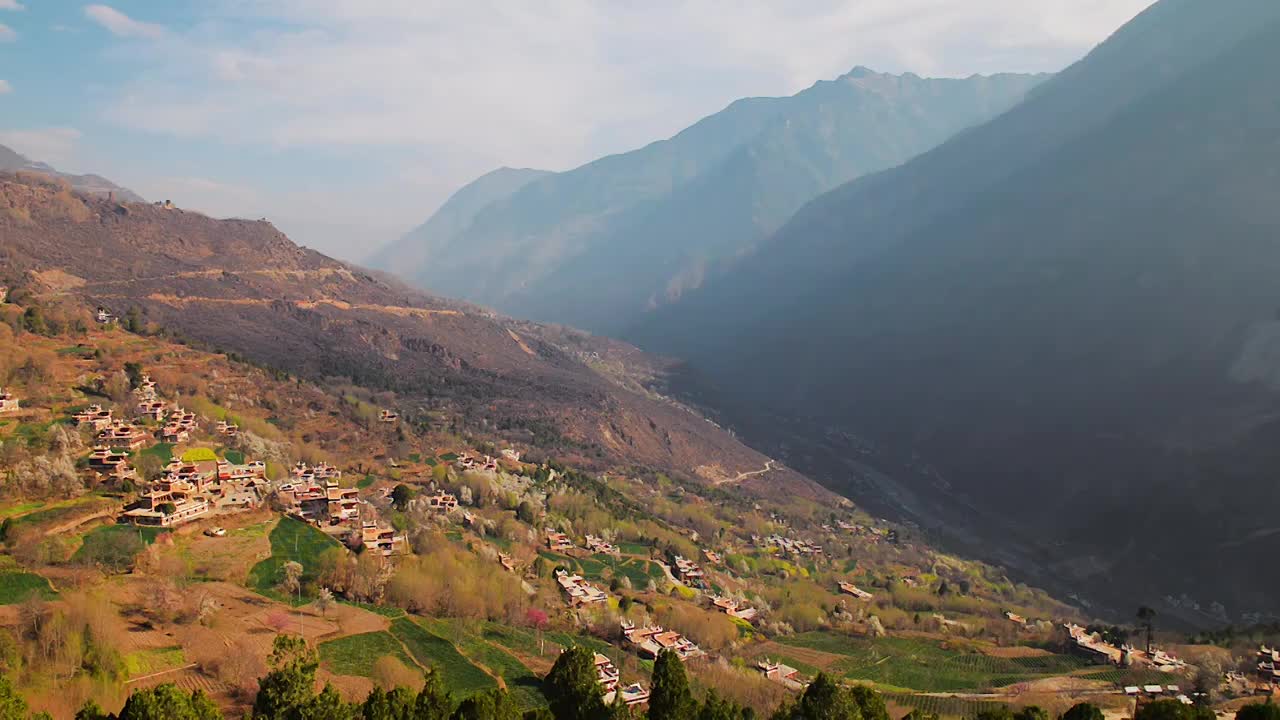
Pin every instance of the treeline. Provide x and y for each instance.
(287, 692)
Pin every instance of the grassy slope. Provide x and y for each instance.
(357, 654)
(16, 586)
(460, 675)
(290, 540)
(926, 665)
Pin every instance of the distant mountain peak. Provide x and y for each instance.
(861, 71)
(13, 161)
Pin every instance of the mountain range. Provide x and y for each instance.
(242, 287)
(12, 161)
(597, 246)
(1053, 336)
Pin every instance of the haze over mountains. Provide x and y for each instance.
(241, 286)
(12, 161)
(597, 246)
(1055, 332)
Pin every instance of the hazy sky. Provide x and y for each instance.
(347, 122)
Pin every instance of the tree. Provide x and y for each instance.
(167, 702)
(999, 712)
(133, 371)
(291, 577)
(400, 496)
(328, 705)
(870, 703)
(433, 701)
(1031, 712)
(91, 711)
(1083, 711)
(824, 699)
(528, 512)
(150, 466)
(133, 320)
(12, 706)
(117, 387)
(324, 601)
(290, 685)
(1259, 711)
(1171, 710)
(714, 708)
(572, 688)
(670, 698)
(383, 705)
(918, 714)
(1147, 617)
(491, 705)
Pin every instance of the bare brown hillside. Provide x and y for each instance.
(242, 286)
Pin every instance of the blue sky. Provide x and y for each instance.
(347, 122)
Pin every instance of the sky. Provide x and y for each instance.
(348, 122)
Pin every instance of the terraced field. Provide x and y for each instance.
(952, 707)
(16, 586)
(431, 650)
(923, 665)
(114, 546)
(295, 540)
(357, 654)
(638, 570)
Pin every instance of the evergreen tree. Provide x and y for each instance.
(670, 697)
(167, 702)
(999, 712)
(870, 702)
(714, 708)
(1259, 711)
(572, 688)
(1031, 712)
(12, 706)
(433, 701)
(491, 705)
(290, 685)
(824, 699)
(328, 705)
(1085, 711)
(91, 711)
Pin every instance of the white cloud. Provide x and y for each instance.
(53, 145)
(460, 88)
(5, 87)
(120, 24)
(7, 33)
(11, 5)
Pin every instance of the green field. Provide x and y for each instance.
(525, 640)
(942, 706)
(17, 586)
(460, 675)
(383, 610)
(1126, 676)
(20, 508)
(235, 457)
(365, 481)
(114, 546)
(476, 641)
(291, 539)
(145, 662)
(41, 513)
(163, 451)
(357, 654)
(927, 666)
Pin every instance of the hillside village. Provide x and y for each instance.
(202, 503)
